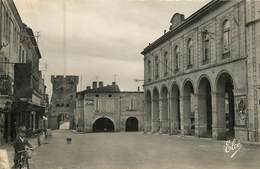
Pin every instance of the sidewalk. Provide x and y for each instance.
(186, 137)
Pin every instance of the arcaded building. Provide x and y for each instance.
(202, 76)
(107, 109)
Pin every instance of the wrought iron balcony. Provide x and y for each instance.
(5, 85)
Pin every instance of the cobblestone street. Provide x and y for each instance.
(138, 151)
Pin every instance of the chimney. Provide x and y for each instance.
(100, 84)
(113, 83)
(94, 85)
(88, 87)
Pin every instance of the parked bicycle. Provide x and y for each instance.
(22, 149)
(23, 162)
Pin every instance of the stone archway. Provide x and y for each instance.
(131, 124)
(63, 121)
(175, 109)
(155, 113)
(204, 108)
(188, 116)
(225, 112)
(103, 124)
(148, 111)
(164, 110)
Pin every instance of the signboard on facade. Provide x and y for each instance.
(36, 99)
(89, 102)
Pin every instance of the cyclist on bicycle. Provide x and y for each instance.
(19, 145)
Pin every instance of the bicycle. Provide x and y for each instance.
(23, 162)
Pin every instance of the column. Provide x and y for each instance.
(218, 115)
(164, 115)
(148, 116)
(174, 111)
(155, 116)
(160, 115)
(201, 115)
(185, 115)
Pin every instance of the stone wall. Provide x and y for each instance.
(63, 100)
(117, 107)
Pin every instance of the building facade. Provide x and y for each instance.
(63, 101)
(10, 29)
(107, 109)
(29, 89)
(202, 76)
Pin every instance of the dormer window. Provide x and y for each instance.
(176, 20)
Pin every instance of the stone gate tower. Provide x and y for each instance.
(63, 101)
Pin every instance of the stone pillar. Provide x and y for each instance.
(185, 115)
(155, 117)
(145, 116)
(160, 115)
(148, 116)
(201, 116)
(168, 114)
(164, 115)
(218, 116)
(174, 111)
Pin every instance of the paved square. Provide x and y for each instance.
(138, 151)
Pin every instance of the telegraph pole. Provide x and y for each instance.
(64, 36)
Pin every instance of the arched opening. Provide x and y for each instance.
(155, 114)
(63, 121)
(225, 105)
(103, 125)
(205, 108)
(165, 116)
(148, 111)
(175, 107)
(131, 124)
(188, 109)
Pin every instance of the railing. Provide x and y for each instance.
(5, 85)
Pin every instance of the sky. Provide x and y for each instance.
(99, 40)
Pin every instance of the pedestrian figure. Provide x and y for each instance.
(45, 133)
(39, 139)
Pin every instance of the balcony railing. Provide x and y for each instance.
(5, 85)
